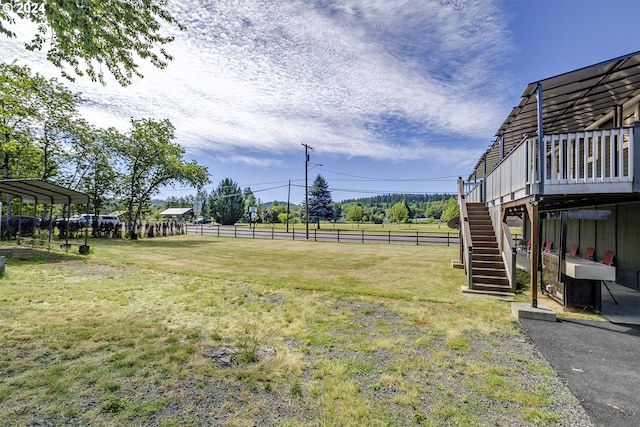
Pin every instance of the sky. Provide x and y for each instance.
(394, 96)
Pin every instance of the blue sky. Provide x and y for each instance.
(393, 95)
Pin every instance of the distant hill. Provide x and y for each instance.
(267, 205)
(393, 198)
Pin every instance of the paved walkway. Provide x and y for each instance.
(598, 361)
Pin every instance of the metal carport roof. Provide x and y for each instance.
(571, 102)
(176, 211)
(37, 190)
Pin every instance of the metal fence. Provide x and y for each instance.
(339, 236)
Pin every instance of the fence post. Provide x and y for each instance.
(338, 235)
(272, 233)
(294, 233)
(417, 239)
(315, 234)
(362, 236)
(389, 236)
(235, 231)
(218, 230)
(253, 233)
(447, 238)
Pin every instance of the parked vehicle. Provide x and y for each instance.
(202, 221)
(87, 220)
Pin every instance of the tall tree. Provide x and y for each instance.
(249, 202)
(320, 201)
(227, 205)
(398, 212)
(32, 108)
(354, 212)
(450, 209)
(59, 126)
(88, 35)
(19, 110)
(149, 161)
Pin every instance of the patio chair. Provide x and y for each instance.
(588, 254)
(526, 248)
(607, 259)
(574, 250)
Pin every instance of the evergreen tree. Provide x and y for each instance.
(249, 202)
(320, 201)
(227, 205)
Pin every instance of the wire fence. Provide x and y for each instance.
(337, 236)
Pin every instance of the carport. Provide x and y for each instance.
(38, 191)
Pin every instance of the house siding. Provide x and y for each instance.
(620, 233)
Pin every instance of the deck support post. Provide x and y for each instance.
(534, 218)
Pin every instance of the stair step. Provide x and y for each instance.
(484, 244)
(483, 229)
(486, 271)
(492, 280)
(485, 251)
(494, 265)
(482, 232)
(486, 258)
(490, 287)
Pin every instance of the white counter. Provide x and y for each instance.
(580, 268)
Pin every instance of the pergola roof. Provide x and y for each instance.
(39, 191)
(571, 102)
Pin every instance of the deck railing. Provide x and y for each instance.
(509, 253)
(466, 244)
(600, 161)
(590, 162)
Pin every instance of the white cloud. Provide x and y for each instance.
(261, 76)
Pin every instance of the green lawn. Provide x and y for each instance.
(192, 330)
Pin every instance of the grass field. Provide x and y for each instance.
(191, 330)
(367, 226)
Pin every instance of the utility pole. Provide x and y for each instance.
(306, 186)
(288, 202)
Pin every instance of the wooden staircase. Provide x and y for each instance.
(489, 274)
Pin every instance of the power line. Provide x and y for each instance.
(368, 178)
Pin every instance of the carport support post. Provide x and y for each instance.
(534, 217)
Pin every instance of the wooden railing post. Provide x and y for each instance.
(470, 267)
(465, 241)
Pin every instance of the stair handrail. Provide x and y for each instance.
(509, 254)
(466, 242)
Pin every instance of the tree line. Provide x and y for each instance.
(228, 204)
(43, 135)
